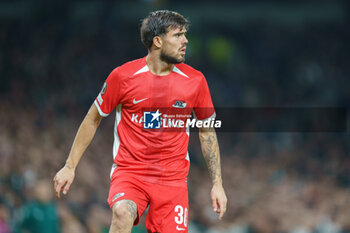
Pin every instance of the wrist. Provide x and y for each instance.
(70, 166)
(217, 182)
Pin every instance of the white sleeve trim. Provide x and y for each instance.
(99, 110)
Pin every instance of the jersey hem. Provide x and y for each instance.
(117, 174)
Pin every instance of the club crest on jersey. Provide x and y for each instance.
(104, 88)
(179, 104)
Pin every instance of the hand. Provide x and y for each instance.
(63, 179)
(219, 200)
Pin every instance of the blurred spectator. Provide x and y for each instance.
(39, 215)
(4, 219)
(69, 221)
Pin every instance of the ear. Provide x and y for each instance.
(157, 41)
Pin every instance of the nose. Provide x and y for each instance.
(185, 41)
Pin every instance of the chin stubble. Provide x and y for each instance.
(171, 60)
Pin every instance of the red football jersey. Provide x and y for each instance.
(152, 155)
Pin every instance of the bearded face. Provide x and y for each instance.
(174, 46)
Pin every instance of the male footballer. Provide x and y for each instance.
(151, 166)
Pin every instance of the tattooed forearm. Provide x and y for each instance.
(211, 153)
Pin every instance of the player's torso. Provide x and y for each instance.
(156, 155)
(163, 154)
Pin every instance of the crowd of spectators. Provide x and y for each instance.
(52, 66)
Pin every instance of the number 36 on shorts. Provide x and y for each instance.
(181, 216)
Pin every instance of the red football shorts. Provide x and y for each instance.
(168, 205)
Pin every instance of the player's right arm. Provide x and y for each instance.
(86, 132)
(106, 101)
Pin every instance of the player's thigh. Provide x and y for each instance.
(168, 210)
(124, 192)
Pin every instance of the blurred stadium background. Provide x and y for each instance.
(55, 56)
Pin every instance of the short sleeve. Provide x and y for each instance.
(203, 108)
(110, 95)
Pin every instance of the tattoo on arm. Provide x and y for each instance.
(211, 153)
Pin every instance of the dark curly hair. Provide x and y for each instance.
(158, 23)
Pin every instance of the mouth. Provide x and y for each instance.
(183, 50)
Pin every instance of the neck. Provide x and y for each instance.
(157, 66)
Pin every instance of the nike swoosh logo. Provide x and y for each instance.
(138, 101)
(180, 228)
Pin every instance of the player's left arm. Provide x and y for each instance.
(211, 153)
